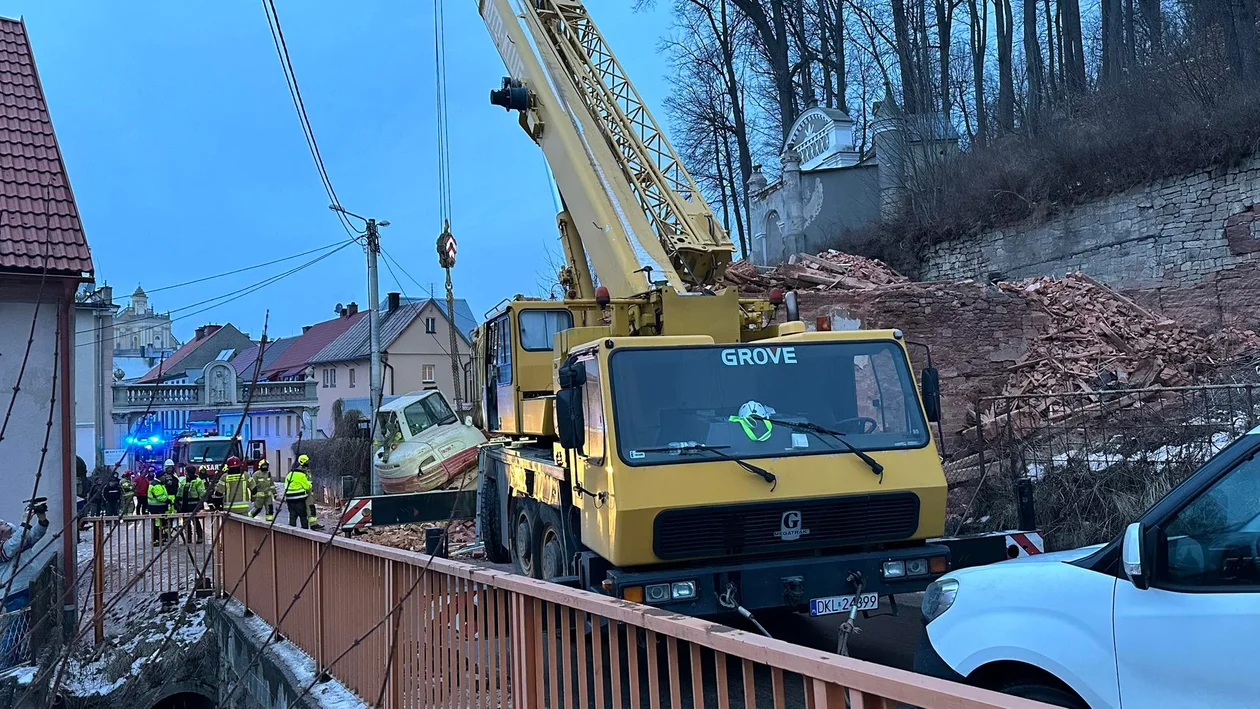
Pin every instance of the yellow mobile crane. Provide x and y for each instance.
(659, 438)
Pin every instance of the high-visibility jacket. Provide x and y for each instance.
(262, 486)
(296, 485)
(191, 490)
(158, 496)
(235, 492)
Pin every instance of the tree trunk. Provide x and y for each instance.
(740, 205)
(1130, 35)
(1032, 64)
(739, 124)
(1073, 46)
(1006, 75)
(1153, 19)
(841, 66)
(979, 11)
(1112, 42)
(907, 59)
(944, 33)
(772, 32)
(824, 54)
(1052, 71)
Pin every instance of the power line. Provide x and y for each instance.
(229, 297)
(246, 268)
(340, 244)
(295, 94)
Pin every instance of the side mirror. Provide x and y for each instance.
(570, 420)
(570, 423)
(468, 421)
(1133, 556)
(930, 388)
(792, 305)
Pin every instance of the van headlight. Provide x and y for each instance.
(938, 597)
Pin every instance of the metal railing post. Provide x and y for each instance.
(98, 580)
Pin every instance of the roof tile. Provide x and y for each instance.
(39, 223)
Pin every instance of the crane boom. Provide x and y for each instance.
(628, 196)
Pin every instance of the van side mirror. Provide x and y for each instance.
(930, 389)
(1135, 557)
(570, 420)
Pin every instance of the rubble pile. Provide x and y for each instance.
(829, 270)
(1098, 340)
(462, 533)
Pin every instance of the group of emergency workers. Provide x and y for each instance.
(228, 489)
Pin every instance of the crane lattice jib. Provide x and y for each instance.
(681, 218)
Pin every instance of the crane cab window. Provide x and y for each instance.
(500, 351)
(538, 328)
(593, 412)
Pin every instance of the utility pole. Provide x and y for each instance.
(374, 322)
(372, 244)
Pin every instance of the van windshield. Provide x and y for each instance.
(428, 412)
(712, 396)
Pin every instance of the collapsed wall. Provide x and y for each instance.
(975, 334)
(1037, 336)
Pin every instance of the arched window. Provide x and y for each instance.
(135, 342)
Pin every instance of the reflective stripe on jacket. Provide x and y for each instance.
(296, 485)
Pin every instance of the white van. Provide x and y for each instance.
(1166, 615)
(424, 444)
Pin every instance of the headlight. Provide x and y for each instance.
(684, 590)
(938, 597)
(894, 569)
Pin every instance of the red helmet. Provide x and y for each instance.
(233, 462)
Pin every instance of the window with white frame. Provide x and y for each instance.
(430, 325)
(428, 373)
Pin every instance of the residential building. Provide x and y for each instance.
(828, 187)
(93, 373)
(415, 342)
(44, 257)
(284, 406)
(185, 365)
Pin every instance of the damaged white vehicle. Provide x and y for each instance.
(424, 444)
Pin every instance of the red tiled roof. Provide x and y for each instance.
(308, 344)
(39, 222)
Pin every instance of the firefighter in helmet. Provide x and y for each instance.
(263, 489)
(235, 487)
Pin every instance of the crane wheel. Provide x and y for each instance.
(525, 537)
(491, 525)
(551, 544)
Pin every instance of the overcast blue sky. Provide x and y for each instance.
(186, 156)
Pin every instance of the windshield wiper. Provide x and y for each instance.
(717, 450)
(816, 429)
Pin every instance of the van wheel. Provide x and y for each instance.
(525, 541)
(491, 525)
(1048, 694)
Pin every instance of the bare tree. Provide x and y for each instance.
(1032, 64)
(1005, 28)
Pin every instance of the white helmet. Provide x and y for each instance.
(169, 463)
(755, 408)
